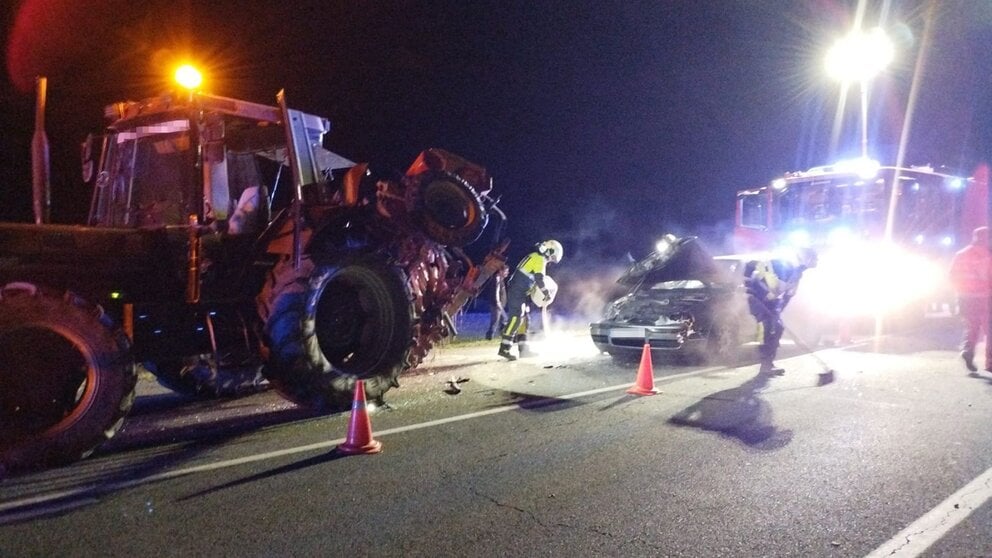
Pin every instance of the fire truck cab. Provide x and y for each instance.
(815, 207)
(885, 234)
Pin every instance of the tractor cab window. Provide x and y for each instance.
(148, 179)
(249, 201)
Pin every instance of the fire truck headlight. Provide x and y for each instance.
(798, 238)
(840, 236)
(870, 281)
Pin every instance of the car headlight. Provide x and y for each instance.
(612, 309)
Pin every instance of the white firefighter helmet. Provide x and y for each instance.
(538, 297)
(551, 249)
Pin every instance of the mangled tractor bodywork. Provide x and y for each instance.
(225, 246)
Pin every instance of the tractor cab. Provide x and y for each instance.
(221, 160)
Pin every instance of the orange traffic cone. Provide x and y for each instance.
(644, 385)
(359, 427)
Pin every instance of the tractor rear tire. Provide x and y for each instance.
(329, 325)
(67, 378)
(232, 369)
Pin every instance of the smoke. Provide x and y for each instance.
(602, 245)
(584, 292)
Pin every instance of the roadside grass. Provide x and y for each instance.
(471, 327)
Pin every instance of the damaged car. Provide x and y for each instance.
(682, 301)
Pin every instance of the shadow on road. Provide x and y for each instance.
(166, 432)
(85, 484)
(739, 413)
(288, 468)
(200, 420)
(979, 376)
(540, 403)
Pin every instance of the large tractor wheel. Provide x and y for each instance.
(232, 370)
(199, 376)
(66, 376)
(449, 209)
(328, 325)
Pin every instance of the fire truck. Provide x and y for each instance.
(885, 234)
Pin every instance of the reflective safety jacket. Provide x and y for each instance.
(530, 272)
(970, 271)
(772, 281)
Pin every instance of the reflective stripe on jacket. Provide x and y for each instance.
(532, 268)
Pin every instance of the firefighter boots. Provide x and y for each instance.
(504, 351)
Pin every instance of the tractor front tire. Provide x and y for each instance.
(67, 378)
(330, 325)
(199, 376)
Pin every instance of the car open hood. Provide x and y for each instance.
(686, 259)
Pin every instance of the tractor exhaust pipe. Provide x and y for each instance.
(40, 171)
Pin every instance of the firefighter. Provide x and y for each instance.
(527, 277)
(969, 275)
(770, 285)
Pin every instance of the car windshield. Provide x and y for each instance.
(682, 284)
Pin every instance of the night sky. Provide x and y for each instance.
(605, 124)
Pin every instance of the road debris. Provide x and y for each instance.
(452, 385)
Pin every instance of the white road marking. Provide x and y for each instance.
(919, 535)
(54, 501)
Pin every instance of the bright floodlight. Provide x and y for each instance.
(188, 76)
(866, 169)
(860, 55)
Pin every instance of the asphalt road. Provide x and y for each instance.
(550, 457)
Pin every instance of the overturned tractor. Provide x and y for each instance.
(224, 247)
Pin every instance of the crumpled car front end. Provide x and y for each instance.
(670, 322)
(680, 301)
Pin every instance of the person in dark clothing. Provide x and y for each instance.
(770, 285)
(496, 297)
(528, 276)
